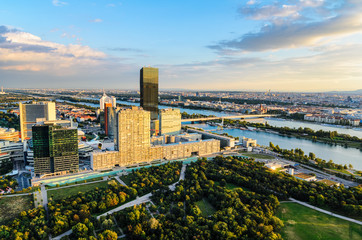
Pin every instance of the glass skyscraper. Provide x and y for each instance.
(55, 149)
(149, 90)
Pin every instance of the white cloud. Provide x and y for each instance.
(24, 51)
(59, 3)
(97, 20)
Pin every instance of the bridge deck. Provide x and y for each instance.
(228, 117)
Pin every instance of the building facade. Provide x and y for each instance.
(55, 149)
(149, 90)
(30, 114)
(133, 134)
(170, 121)
(133, 143)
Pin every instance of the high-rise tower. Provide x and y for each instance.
(149, 90)
(55, 149)
(31, 112)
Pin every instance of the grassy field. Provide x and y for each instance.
(125, 179)
(206, 208)
(302, 223)
(257, 155)
(231, 186)
(75, 183)
(66, 192)
(11, 207)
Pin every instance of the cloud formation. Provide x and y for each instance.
(291, 26)
(24, 51)
(59, 3)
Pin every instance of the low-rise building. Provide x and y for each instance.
(305, 177)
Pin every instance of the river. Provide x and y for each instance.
(338, 154)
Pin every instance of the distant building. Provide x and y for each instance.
(149, 90)
(55, 149)
(305, 177)
(170, 121)
(30, 113)
(105, 99)
(329, 183)
(9, 134)
(248, 142)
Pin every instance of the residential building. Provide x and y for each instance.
(30, 113)
(149, 90)
(133, 144)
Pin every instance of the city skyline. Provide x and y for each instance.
(306, 45)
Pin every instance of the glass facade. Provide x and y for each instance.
(149, 90)
(55, 149)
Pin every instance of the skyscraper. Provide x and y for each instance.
(31, 112)
(133, 135)
(55, 149)
(149, 90)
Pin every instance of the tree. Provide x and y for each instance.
(312, 155)
(108, 235)
(80, 230)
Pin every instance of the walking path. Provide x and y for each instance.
(120, 180)
(326, 212)
(182, 177)
(137, 201)
(15, 195)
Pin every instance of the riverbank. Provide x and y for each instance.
(328, 137)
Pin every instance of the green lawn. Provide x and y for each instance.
(125, 179)
(232, 186)
(257, 155)
(206, 208)
(66, 192)
(11, 207)
(302, 223)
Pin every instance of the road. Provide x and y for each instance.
(326, 212)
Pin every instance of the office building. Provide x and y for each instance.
(55, 149)
(149, 90)
(30, 113)
(170, 121)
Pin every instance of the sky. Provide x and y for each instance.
(253, 45)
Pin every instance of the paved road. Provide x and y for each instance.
(326, 212)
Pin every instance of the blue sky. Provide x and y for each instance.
(294, 45)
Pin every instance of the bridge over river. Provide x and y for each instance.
(245, 116)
